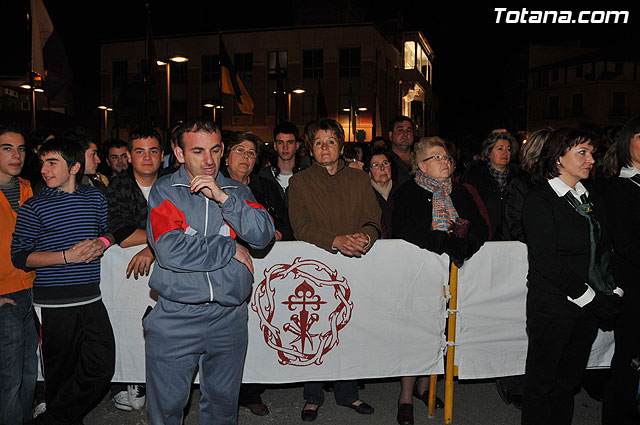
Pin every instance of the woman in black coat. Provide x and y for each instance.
(623, 208)
(378, 164)
(424, 212)
(491, 176)
(571, 290)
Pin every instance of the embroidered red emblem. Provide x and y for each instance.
(302, 326)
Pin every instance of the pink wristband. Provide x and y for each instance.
(107, 244)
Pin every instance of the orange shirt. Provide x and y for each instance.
(11, 278)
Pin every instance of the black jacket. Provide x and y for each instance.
(412, 219)
(477, 174)
(557, 241)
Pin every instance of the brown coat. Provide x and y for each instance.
(323, 206)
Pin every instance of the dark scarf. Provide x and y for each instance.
(600, 250)
(499, 176)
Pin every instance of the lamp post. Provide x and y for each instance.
(214, 107)
(106, 127)
(176, 59)
(296, 91)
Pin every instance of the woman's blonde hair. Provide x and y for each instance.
(422, 146)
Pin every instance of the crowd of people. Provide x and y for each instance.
(196, 207)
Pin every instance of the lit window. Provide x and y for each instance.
(409, 54)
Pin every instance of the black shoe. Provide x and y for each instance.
(502, 392)
(405, 414)
(425, 398)
(363, 408)
(516, 400)
(309, 415)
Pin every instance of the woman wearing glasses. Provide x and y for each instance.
(424, 214)
(241, 148)
(379, 166)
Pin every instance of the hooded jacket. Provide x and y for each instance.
(192, 237)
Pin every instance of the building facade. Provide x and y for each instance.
(364, 78)
(581, 86)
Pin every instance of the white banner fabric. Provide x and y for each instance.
(491, 338)
(313, 315)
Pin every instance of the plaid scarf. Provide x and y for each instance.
(500, 177)
(443, 212)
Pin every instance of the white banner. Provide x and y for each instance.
(313, 315)
(491, 338)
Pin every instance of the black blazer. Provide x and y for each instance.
(557, 241)
(623, 210)
(412, 218)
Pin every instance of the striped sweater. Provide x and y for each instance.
(55, 220)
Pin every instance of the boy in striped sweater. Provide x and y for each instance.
(61, 233)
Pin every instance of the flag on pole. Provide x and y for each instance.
(282, 111)
(48, 57)
(231, 83)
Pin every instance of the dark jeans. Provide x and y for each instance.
(560, 339)
(18, 358)
(78, 350)
(346, 392)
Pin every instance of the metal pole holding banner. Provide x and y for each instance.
(451, 338)
(431, 407)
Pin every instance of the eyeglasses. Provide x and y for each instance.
(439, 158)
(242, 151)
(376, 165)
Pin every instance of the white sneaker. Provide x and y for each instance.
(137, 395)
(40, 408)
(121, 401)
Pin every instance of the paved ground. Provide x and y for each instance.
(475, 403)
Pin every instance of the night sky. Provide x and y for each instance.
(475, 57)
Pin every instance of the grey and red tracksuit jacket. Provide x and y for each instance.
(193, 236)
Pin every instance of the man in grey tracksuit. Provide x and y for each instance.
(203, 277)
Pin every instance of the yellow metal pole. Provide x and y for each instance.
(451, 338)
(431, 407)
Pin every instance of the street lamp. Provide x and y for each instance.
(214, 107)
(296, 91)
(106, 128)
(176, 59)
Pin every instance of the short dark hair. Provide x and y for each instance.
(326, 124)
(113, 143)
(286, 128)
(79, 135)
(70, 150)
(237, 137)
(379, 150)
(559, 142)
(401, 118)
(144, 133)
(630, 129)
(11, 128)
(194, 125)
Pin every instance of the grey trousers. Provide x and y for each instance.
(181, 336)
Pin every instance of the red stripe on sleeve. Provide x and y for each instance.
(257, 206)
(165, 218)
